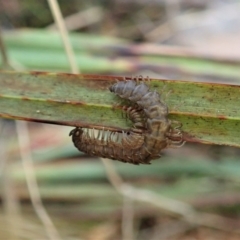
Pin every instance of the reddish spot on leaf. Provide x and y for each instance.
(222, 117)
(37, 73)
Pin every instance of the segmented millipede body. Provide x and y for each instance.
(152, 131)
(123, 146)
(111, 145)
(160, 133)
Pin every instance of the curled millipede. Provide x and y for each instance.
(123, 146)
(151, 132)
(113, 145)
(160, 133)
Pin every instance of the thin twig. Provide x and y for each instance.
(2, 148)
(170, 206)
(3, 52)
(116, 181)
(6, 62)
(10, 200)
(57, 15)
(127, 218)
(25, 153)
(81, 19)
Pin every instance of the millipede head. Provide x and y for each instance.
(76, 132)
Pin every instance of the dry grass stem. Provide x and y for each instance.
(9, 199)
(170, 206)
(3, 52)
(25, 153)
(128, 218)
(81, 19)
(57, 15)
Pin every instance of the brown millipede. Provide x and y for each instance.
(107, 144)
(122, 146)
(159, 128)
(152, 131)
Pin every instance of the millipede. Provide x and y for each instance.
(151, 132)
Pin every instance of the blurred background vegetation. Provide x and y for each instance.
(177, 39)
